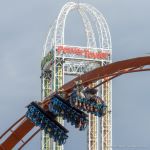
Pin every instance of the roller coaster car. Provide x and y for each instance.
(99, 106)
(68, 104)
(60, 107)
(47, 123)
(91, 103)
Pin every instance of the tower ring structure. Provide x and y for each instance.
(64, 63)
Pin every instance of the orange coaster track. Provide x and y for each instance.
(23, 126)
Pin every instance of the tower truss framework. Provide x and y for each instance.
(56, 65)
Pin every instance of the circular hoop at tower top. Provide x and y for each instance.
(56, 33)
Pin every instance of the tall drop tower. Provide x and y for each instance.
(59, 60)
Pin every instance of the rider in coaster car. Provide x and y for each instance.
(90, 91)
(61, 93)
(79, 91)
(79, 88)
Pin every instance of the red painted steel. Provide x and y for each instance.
(106, 71)
(12, 127)
(34, 134)
(17, 135)
(117, 68)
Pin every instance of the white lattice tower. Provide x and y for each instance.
(99, 130)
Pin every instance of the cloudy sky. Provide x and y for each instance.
(23, 29)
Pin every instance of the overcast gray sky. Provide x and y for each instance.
(23, 29)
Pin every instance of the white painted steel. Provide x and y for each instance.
(73, 65)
